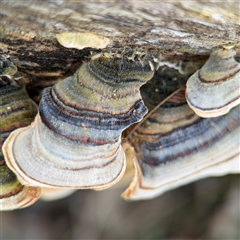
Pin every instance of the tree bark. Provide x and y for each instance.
(178, 29)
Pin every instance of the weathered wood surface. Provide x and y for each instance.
(178, 29)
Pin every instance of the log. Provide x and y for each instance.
(177, 29)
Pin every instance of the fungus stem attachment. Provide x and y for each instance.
(183, 88)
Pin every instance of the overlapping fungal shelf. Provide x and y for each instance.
(16, 110)
(175, 146)
(214, 89)
(75, 139)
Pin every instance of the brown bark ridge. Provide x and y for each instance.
(178, 29)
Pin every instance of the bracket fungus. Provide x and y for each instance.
(16, 110)
(82, 40)
(175, 147)
(214, 89)
(75, 140)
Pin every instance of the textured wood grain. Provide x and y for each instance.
(179, 29)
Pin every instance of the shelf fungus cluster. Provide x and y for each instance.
(214, 89)
(75, 140)
(175, 146)
(16, 110)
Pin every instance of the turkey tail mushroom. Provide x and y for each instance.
(214, 89)
(75, 140)
(13, 194)
(174, 146)
(16, 110)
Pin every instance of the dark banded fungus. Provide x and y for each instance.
(14, 195)
(16, 111)
(214, 89)
(75, 140)
(174, 146)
